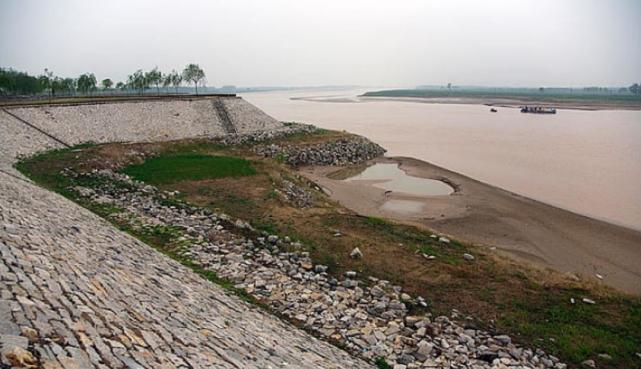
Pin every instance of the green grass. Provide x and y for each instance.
(172, 168)
(381, 363)
(578, 331)
(416, 239)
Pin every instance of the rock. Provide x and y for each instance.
(392, 329)
(19, 357)
(30, 333)
(350, 274)
(338, 152)
(424, 350)
(503, 339)
(605, 356)
(546, 362)
(13, 341)
(377, 291)
(405, 297)
(468, 257)
(320, 268)
(589, 364)
(589, 301)
(405, 359)
(444, 240)
(356, 253)
(350, 283)
(488, 356)
(396, 305)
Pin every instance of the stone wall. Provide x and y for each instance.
(144, 120)
(248, 118)
(18, 139)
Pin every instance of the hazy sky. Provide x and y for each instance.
(301, 42)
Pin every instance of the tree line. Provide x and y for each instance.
(14, 82)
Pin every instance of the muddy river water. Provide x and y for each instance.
(588, 162)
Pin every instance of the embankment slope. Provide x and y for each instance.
(77, 293)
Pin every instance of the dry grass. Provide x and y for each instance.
(532, 305)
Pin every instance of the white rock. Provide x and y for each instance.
(356, 253)
(589, 364)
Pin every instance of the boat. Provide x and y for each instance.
(493, 110)
(537, 110)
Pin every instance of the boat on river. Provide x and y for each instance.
(537, 110)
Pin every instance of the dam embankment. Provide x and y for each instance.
(75, 292)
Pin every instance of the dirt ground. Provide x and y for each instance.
(517, 226)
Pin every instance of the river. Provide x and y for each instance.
(588, 162)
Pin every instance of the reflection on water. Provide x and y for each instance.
(403, 206)
(389, 177)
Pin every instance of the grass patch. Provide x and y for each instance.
(171, 168)
(381, 363)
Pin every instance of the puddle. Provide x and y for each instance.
(391, 178)
(403, 206)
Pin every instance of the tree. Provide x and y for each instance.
(106, 83)
(121, 86)
(176, 79)
(154, 77)
(635, 89)
(46, 80)
(68, 85)
(87, 82)
(137, 81)
(193, 73)
(14, 82)
(130, 82)
(166, 81)
(56, 85)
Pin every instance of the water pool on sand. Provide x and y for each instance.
(391, 178)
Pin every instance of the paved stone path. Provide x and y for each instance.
(77, 293)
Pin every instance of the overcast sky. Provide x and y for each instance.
(332, 42)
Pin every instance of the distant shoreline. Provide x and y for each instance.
(582, 103)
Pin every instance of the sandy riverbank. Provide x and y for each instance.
(579, 104)
(518, 226)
